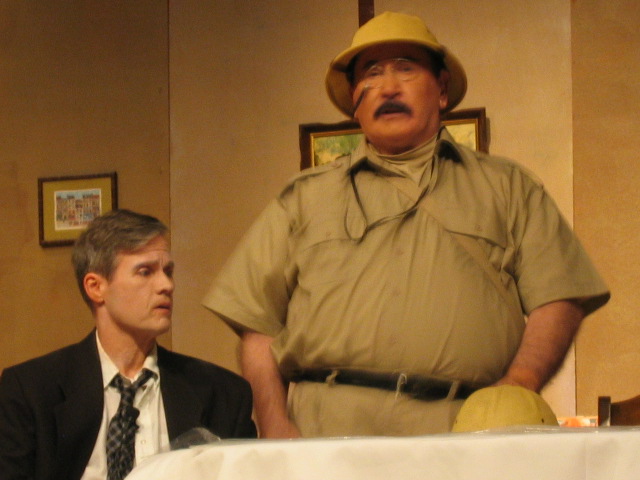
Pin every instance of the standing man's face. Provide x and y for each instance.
(401, 107)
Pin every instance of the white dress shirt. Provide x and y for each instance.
(152, 437)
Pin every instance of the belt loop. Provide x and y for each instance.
(331, 378)
(402, 381)
(453, 391)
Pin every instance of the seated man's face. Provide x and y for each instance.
(138, 298)
(401, 107)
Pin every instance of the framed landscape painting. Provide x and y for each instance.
(322, 143)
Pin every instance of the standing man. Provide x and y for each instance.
(95, 409)
(388, 286)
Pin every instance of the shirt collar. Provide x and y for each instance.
(445, 146)
(109, 369)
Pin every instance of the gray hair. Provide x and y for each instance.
(106, 236)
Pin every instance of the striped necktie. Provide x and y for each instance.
(122, 428)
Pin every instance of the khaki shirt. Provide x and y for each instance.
(343, 272)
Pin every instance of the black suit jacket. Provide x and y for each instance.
(51, 408)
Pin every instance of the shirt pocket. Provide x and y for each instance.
(475, 222)
(324, 252)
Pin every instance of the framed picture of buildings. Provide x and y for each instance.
(66, 205)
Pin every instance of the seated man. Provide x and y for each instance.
(95, 409)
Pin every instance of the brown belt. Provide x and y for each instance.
(417, 386)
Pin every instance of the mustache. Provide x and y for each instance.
(392, 106)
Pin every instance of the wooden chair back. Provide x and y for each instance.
(625, 412)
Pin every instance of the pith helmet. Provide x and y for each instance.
(503, 406)
(391, 27)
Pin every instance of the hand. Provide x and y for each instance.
(269, 389)
(286, 429)
(508, 380)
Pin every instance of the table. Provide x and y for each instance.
(536, 453)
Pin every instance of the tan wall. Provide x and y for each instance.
(243, 76)
(83, 89)
(606, 99)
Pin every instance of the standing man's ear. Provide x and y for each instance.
(94, 284)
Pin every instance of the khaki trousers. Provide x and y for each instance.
(324, 410)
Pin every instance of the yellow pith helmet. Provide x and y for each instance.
(387, 28)
(503, 406)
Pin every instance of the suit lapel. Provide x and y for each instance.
(183, 408)
(79, 415)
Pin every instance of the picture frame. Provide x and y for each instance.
(66, 205)
(322, 143)
(469, 128)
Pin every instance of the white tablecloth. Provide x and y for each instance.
(514, 454)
